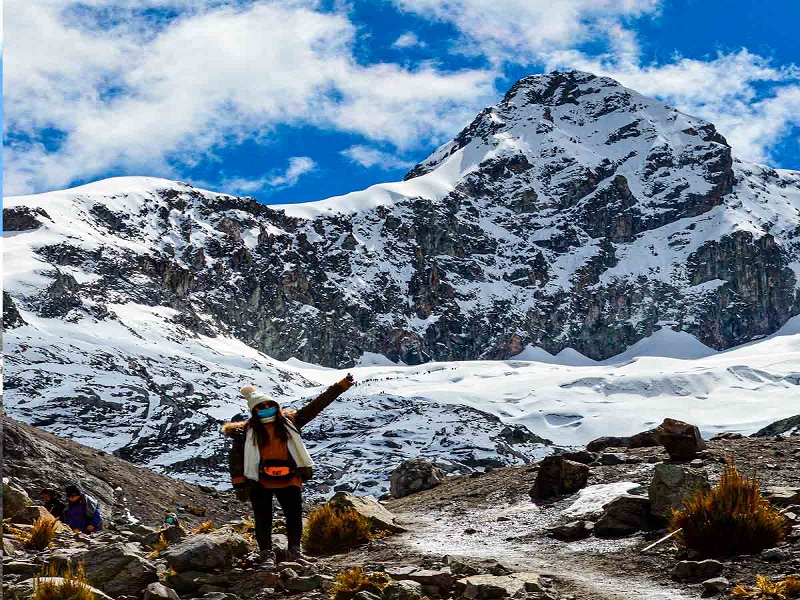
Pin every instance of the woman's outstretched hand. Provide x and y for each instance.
(349, 377)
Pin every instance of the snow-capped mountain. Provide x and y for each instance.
(576, 216)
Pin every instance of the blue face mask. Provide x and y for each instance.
(267, 412)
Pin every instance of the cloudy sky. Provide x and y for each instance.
(298, 100)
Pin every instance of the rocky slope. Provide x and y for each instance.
(575, 214)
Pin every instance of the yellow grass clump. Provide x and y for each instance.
(41, 534)
(204, 527)
(329, 530)
(161, 545)
(766, 589)
(732, 518)
(73, 585)
(348, 583)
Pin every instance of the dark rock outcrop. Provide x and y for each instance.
(558, 476)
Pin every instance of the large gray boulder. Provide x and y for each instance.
(118, 570)
(412, 476)
(682, 441)
(379, 517)
(14, 499)
(558, 476)
(671, 486)
(158, 591)
(623, 516)
(206, 552)
(403, 590)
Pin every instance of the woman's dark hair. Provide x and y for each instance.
(262, 437)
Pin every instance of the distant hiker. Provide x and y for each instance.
(171, 520)
(51, 499)
(268, 457)
(83, 511)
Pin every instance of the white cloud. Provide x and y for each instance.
(297, 167)
(367, 156)
(519, 31)
(214, 76)
(408, 40)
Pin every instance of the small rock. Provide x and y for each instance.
(403, 590)
(774, 555)
(612, 458)
(623, 516)
(158, 591)
(582, 456)
(303, 584)
(470, 531)
(576, 530)
(697, 463)
(782, 495)
(601, 443)
(484, 587)
(695, 571)
(717, 585)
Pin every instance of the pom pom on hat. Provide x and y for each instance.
(254, 397)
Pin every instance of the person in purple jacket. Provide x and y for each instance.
(82, 511)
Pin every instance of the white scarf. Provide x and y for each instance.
(297, 449)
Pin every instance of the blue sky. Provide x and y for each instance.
(298, 100)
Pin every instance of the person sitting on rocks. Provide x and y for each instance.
(51, 500)
(269, 458)
(171, 520)
(83, 512)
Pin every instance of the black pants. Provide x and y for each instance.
(291, 502)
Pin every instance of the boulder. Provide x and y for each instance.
(775, 555)
(593, 499)
(28, 514)
(646, 439)
(612, 458)
(623, 516)
(671, 486)
(601, 443)
(380, 518)
(118, 570)
(25, 589)
(403, 590)
(9, 547)
(576, 530)
(715, 586)
(14, 499)
(695, 571)
(303, 584)
(558, 476)
(158, 591)
(581, 456)
(412, 476)
(484, 587)
(441, 578)
(206, 552)
(682, 441)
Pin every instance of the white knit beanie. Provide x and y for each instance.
(254, 397)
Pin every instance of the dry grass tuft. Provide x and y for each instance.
(766, 589)
(329, 530)
(246, 526)
(204, 527)
(41, 534)
(161, 545)
(73, 586)
(732, 518)
(193, 509)
(348, 583)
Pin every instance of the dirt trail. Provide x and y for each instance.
(517, 544)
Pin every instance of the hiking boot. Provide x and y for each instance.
(296, 554)
(266, 558)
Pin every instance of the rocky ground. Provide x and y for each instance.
(476, 536)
